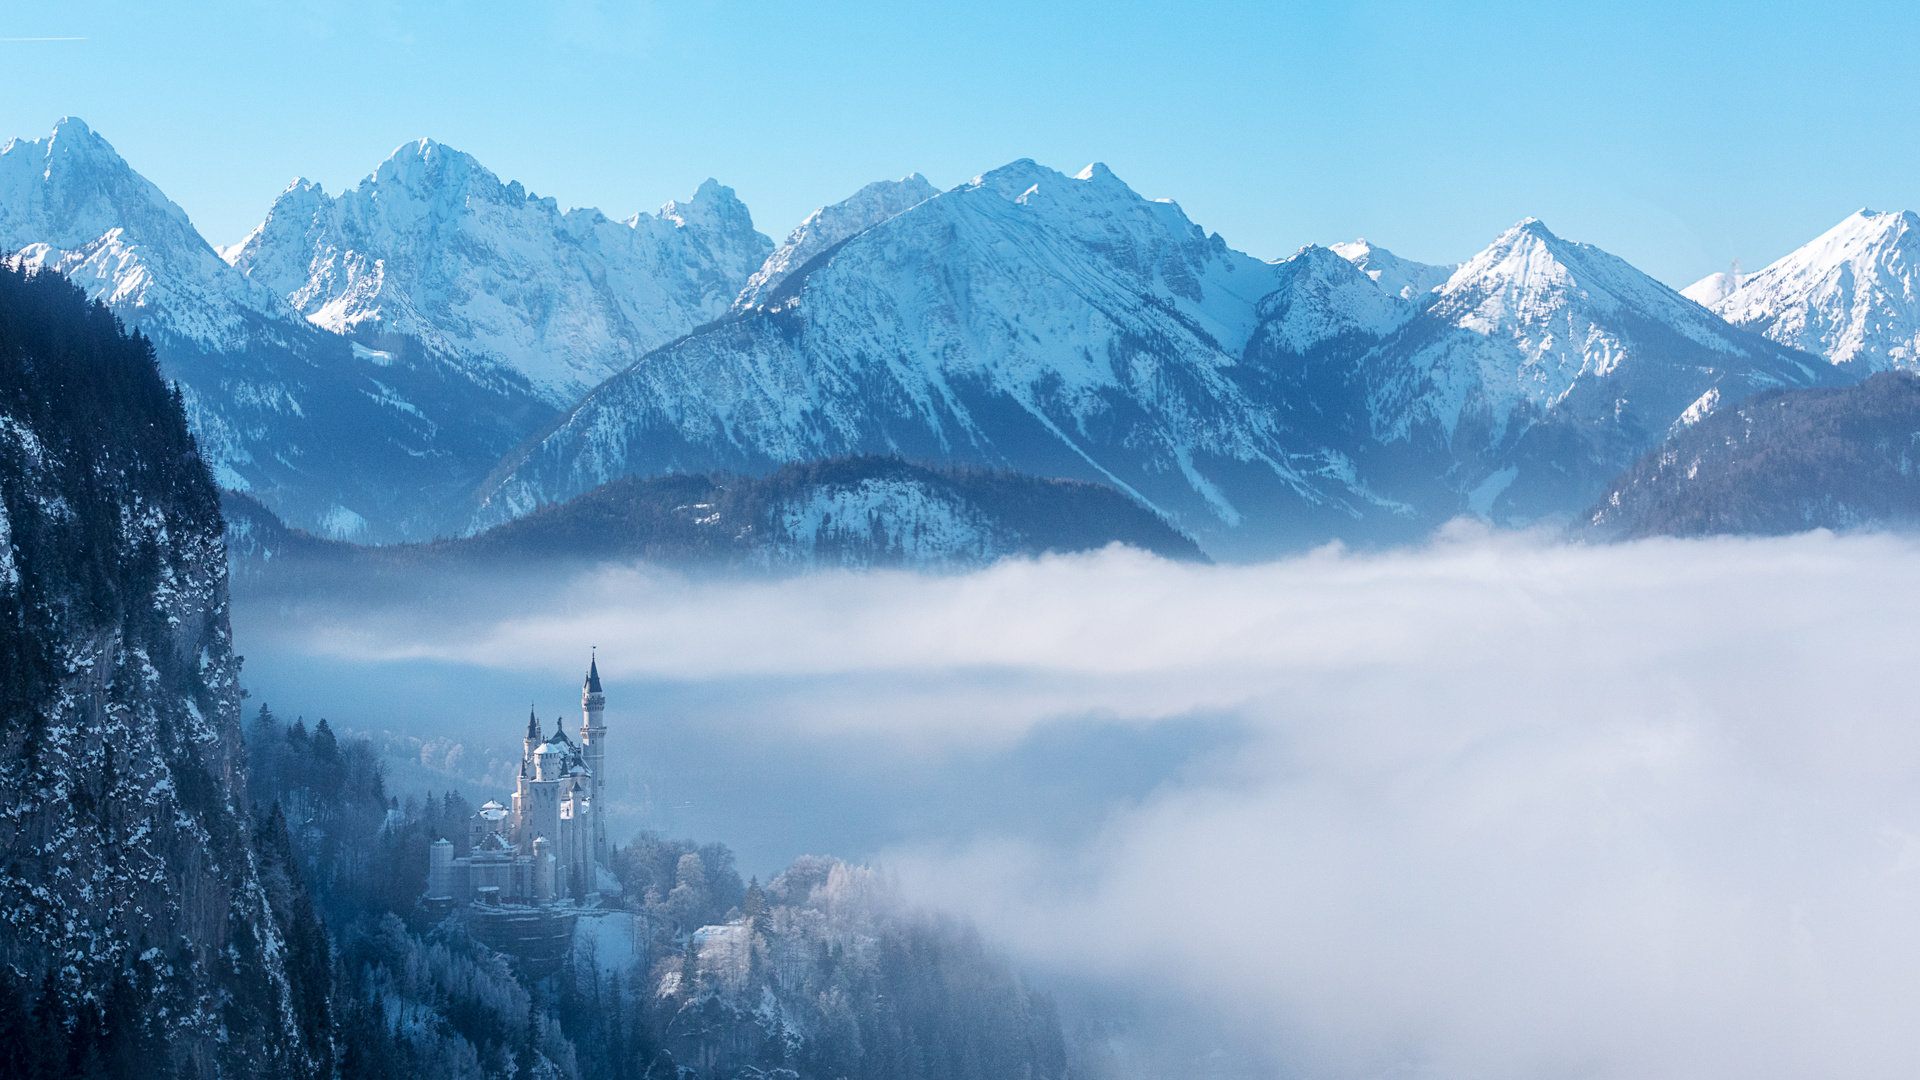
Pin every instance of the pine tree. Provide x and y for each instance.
(16, 1021)
(310, 976)
(120, 1051)
(46, 1059)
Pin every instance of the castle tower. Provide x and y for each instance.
(593, 747)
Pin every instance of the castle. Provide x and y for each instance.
(531, 867)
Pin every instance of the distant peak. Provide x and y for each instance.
(425, 149)
(1096, 171)
(1015, 177)
(72, 133)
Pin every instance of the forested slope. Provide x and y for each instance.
(130, 910)
(1783, 461)
(859, 512)
(824, 973)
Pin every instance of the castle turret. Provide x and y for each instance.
(534, 738)
(542, 870)
(440, 870)
(593, 747)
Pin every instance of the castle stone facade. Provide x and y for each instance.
(545, 852)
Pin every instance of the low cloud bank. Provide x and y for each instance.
(1502, 808)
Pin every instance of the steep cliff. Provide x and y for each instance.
(128, 894)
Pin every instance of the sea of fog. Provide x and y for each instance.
(1494, 807)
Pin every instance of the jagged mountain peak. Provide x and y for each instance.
(830, 225)
(714, 207)
(1399, 277)
(74, 185)
(1098, 209)
(1852, 294)
(1322, 296)
(1024, 312)
(435, 247)
(71, 203)
(1529, 275)
(425, 165)
(1538, 344)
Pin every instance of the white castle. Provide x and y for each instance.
(550, 848)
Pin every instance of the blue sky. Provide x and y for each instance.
(1677, 135)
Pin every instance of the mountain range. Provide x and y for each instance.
(436, 351)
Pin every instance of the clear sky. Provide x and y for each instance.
(1678, 135)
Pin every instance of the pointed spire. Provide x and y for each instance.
(533, 724)
(593, 673)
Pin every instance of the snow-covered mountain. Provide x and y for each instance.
(367, 364)
(342, 440)
(435, 249)
(360, 363)
(1066, 326)
(1063, 326)
(1710, 290)
(1851, 295)
(1400, 277)
(1543, 367)
(829, 225)
(69, 203)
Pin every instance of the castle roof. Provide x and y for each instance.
(593, 675)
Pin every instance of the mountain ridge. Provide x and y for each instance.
(847, 512)
(1851, 294)
(1781, 462)
(1056, 325)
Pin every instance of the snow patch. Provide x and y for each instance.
(340, 523)
(1481, 499)
(374, 356)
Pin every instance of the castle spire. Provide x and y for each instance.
(593, 751)
(533, 725)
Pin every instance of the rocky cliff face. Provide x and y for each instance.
(122, 777)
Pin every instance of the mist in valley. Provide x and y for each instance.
(1495, 806)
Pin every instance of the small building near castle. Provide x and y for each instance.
(534, 866)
